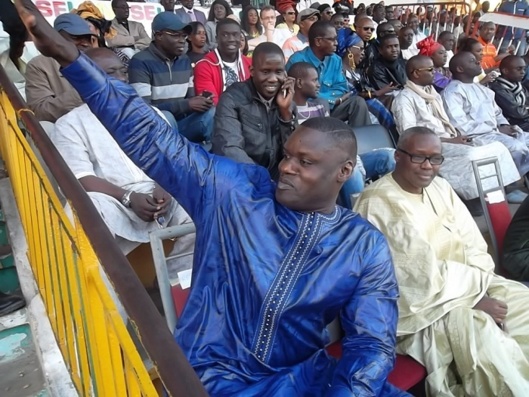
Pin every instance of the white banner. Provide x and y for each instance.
(139, 12)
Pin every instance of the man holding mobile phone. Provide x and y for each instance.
(225, 65)
(163, 76)
(255, 117)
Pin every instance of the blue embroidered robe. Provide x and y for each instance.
(266, 280)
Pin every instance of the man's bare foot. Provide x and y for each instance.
(47, 40)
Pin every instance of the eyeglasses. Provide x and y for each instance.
(368, 29)
(430, 69)
(418, 159)
(176, 35)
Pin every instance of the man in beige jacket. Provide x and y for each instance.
(130, 35)
(48, 94)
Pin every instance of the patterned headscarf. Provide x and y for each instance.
(346, 38)
(88, 10)
(428, 46)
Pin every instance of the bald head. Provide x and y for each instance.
(411, 134)
(338, 134)
(320, 156)
(365, 27)
(464, 66)
(414, 63)
(417, 159)
(108, 61)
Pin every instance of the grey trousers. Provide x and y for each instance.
(353, 110)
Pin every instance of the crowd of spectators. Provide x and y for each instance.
(240, 85)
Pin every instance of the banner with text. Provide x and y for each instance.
(139, 12)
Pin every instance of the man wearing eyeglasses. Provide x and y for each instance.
(464, 323)
(321, 54)
(300, 41)
(130, 35)
(419, 104)
(364, 27)
(48, 94)
(162, 75)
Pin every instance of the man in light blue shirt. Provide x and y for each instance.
(321, 54)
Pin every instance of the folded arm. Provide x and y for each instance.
(510, 108)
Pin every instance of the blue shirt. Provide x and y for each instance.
(331, 78)
(514, 8)
(267, 280)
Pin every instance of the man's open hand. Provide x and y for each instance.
(47, 40)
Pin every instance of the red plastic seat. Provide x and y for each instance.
(406, 373)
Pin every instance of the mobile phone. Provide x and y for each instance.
(207, 94)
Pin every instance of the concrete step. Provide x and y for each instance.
(22, 375)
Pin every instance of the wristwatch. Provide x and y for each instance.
(125, 200)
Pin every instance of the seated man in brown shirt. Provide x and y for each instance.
(48, 94)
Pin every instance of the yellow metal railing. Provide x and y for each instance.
(93, 338)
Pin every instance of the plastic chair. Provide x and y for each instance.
(406, 373)
(373, 137)
(173, 293)
(495, 207)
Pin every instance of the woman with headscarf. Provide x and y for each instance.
(436, 51)
(93, 15)
(101, 27)
(351, 49)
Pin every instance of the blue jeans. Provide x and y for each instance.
(197, 127)
(376, 163)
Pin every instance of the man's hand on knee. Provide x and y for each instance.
(493, 307)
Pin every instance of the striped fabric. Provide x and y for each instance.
(162, 82)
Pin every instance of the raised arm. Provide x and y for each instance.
(370, 324)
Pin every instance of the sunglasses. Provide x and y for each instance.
(290, 13)
(430, 69)
(368, 29)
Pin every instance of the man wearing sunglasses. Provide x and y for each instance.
(464, 323)
(364, 27)
(163, 76)
(419, 104)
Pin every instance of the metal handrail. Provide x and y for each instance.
(176, 374)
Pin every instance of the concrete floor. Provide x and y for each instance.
(19, 365)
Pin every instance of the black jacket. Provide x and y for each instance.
(515, 113)
(380, 73)
(246, 131)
